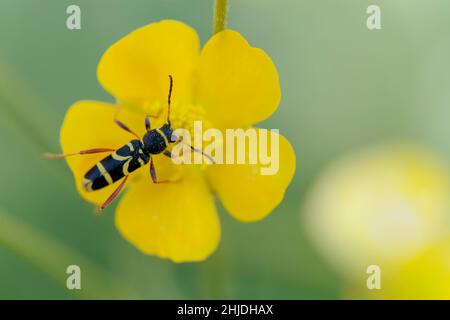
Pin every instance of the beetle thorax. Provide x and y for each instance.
(156, 141)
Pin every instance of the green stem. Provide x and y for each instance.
(52, 258)
(220, 15)
(20, 104)
(27, 127)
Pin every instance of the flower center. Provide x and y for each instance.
(182, 116)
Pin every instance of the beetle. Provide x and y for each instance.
(131, 156)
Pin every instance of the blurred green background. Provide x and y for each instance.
(344, 87)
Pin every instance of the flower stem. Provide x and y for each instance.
(27, 127)
(52, 258)
(220, 15)
(20, 105)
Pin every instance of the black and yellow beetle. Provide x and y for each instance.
(130, 157)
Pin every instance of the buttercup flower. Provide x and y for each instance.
(382, 206)
(228, 84)
(426, 276)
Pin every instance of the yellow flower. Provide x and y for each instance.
(381, 206)
(228, 84)
(426, 276)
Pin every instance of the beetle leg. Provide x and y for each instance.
(155, 179)
(124, 127)
(147, 123)
(176, 139)
(82, 152)
(113, 195)
(169, 154)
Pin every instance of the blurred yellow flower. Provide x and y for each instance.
(426, 276)
(381, 206)
(228, 84)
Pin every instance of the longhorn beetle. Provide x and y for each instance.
(130, 157)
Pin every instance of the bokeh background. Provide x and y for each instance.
(367, 113)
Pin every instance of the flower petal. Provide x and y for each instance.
(236, 83)
(136, 68)
(88, 125)
(245, 192)
(177, 221)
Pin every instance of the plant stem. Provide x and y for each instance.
(52, 258)
(220, 15)
(26, 127)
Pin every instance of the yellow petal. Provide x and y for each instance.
(136, 68)
(88, 125)
(245, 192)
(379, 205)
(177, 221)
(236, 83)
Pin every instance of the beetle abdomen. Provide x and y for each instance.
(117, 165)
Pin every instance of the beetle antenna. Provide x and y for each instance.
(169, 98)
